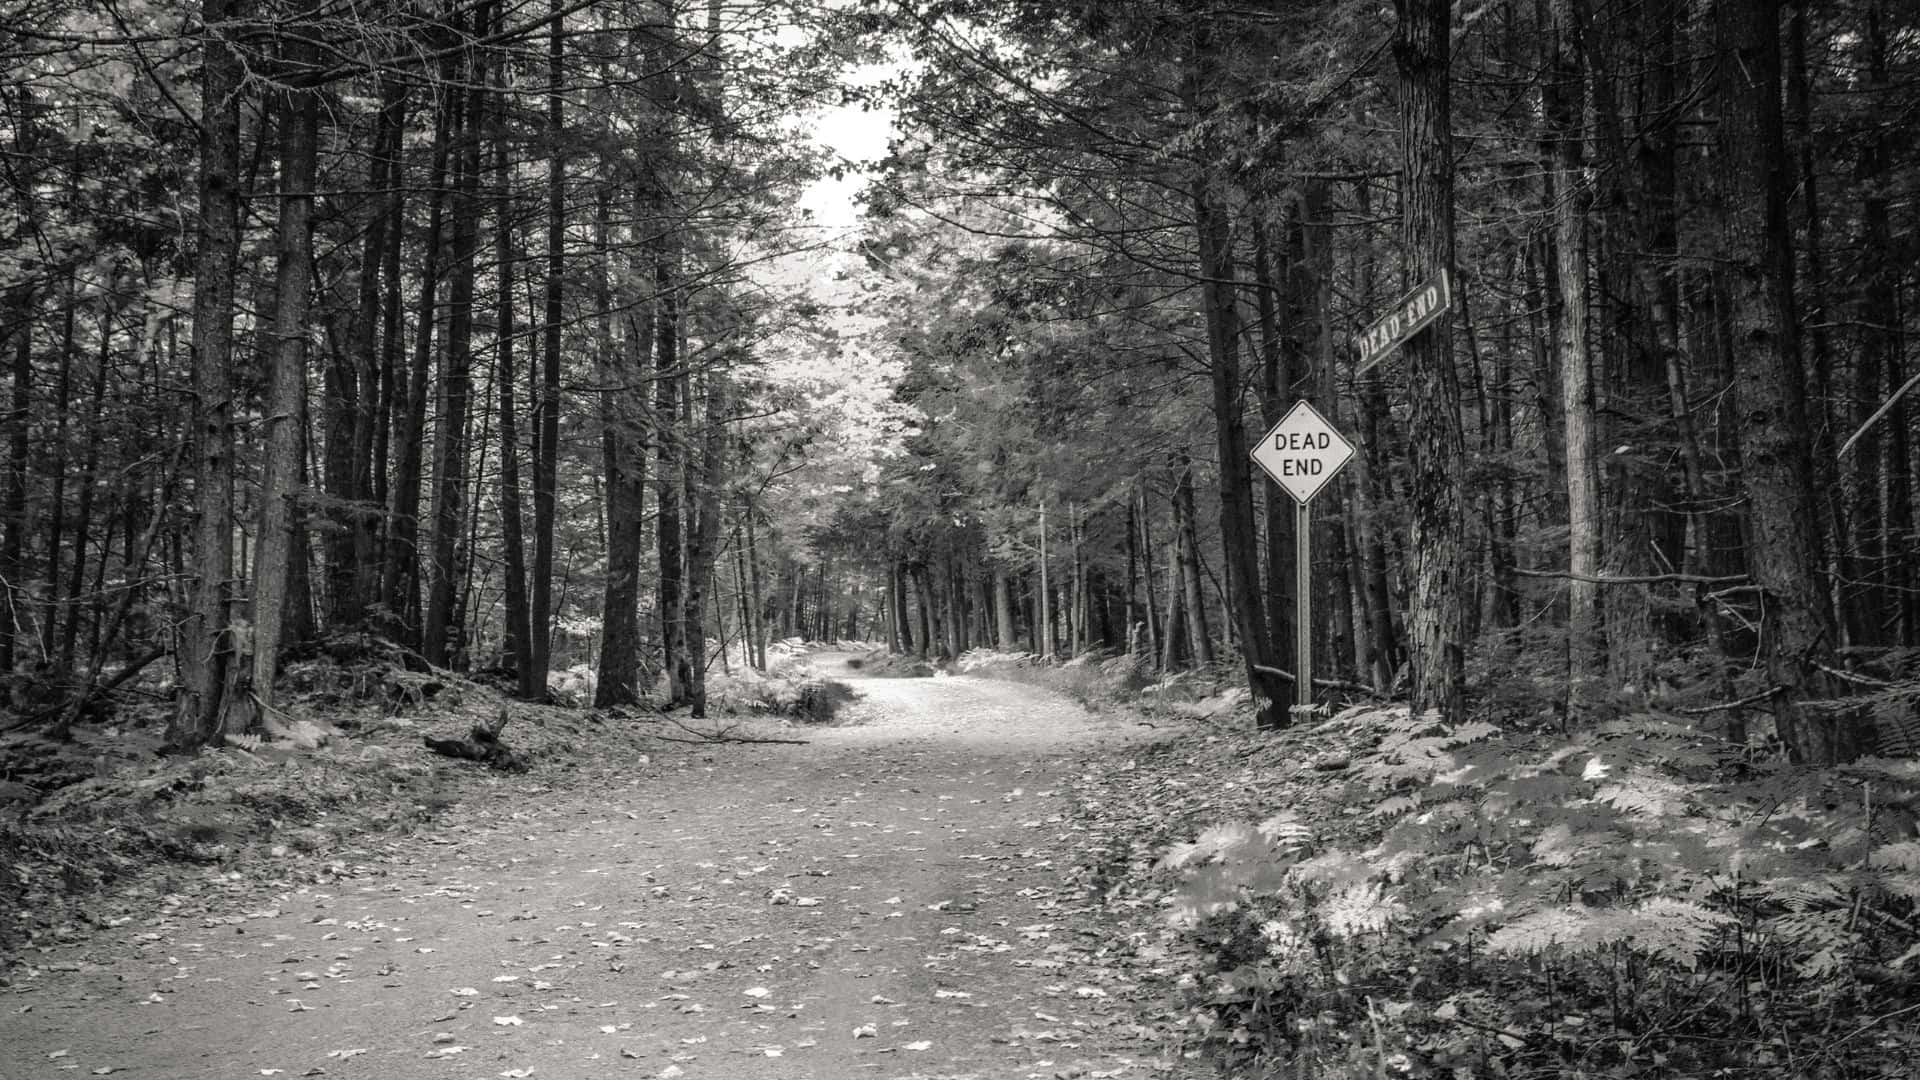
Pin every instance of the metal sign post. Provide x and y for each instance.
(1302, 453)
(1303, 605)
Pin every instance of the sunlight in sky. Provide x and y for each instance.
(855, 135)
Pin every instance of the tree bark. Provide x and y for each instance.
(1572, 200)
(206, 645)
(1218, 292)
(519, 632)
(1783, 533)
(439, 641)
(281, 467)
(1275, 386)
(1199, 634)
(1173, 638)
(399, 582)
(89, 480)
(901, 583)
(623, 447)
(753, 576)
(1437, 454)
(669, 463)
(1881, 477)
(703, 535)
(546, 465)
(351, 390)
(1146, 572)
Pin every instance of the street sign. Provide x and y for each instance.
(1411, 314)
(1302, 452)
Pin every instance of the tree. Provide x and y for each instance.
(207, 651)
(1436, 614)
(1776, 451)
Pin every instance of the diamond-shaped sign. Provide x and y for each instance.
(1302, 452)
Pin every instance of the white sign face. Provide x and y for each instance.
(1302, 452)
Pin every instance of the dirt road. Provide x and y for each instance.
(889, 900)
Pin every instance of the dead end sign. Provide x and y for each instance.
(1302, 452)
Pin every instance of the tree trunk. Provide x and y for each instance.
(400, 577)
(392, 319)
(57, 475)
(1572, 197)
(350, 390)
(623, 447)
(669, 457)
(741, 598)
(1275, 387)
(703, 536)
(1173, 637)
(546, 465)
(929, 615)
(1151, 591)
(280, 469)
(902, 582)
(456, 386)
(206, 645)
(1880, 474)
(1199, 633)
(519, 632)
(1218, 293)
(956, 643)
(1003, 610)
(1783, 535)
(89, 480)
(1437, 453)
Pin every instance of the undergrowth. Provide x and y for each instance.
(110, 811)
(1638, 900)
(881, 664)
(1380, 895)
(793, 692)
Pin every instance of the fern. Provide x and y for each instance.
(1540, 930)
(1285, 828)
(1903, 856)
(1647, 795)
(1676, 931)
(1896, 719)
(1360, 907)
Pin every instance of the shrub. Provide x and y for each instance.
(792, 692)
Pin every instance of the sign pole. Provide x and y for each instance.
(1303, 606)
(1302, 453)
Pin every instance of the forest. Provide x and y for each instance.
(507, 341)
(488, 332)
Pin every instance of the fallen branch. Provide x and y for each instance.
(1330, 684)
(1854, 678)
(1633, 579)
(483, 745)
(725, 734)
(1751, 699)
(1885, 407)
(710, 739)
